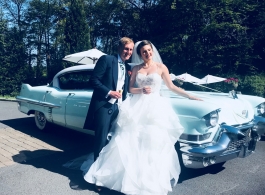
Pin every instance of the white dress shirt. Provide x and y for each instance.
(120, 82)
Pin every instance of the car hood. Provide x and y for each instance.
(232, 111)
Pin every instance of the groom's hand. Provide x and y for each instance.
(115, 94)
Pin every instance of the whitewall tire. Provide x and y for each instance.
(40, 120)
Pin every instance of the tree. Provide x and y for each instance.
(204, 37)
(223, 37)
(14, 69)
(16, 10)
(104, 18)
(76, 28)
(40, 29)
(256, 30)
(3, 42)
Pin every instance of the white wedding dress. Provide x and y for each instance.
(141, 159)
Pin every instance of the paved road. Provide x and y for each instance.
(34, 162)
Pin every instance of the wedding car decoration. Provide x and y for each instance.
(217, 129)
(232, 83)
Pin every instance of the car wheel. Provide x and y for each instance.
(40, 120)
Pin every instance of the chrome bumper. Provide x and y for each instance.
(260, 124)
(232, 142)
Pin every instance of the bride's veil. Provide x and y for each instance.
(136, 59)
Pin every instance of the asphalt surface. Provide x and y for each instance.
(42, 171)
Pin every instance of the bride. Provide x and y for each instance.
(140, 158)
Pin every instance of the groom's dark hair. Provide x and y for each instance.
(143, 43)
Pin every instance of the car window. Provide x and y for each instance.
(75, 80)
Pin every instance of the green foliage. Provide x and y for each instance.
(14, 69)
(223, 37)
(108, 21)
(253, 85)
(77, 35)
(210, 36)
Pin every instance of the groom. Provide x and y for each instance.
(110, 83)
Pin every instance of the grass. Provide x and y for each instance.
(7, 97)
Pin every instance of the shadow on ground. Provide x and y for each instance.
(54, 163)
(73, 145)
(187, 174)
(59, 137)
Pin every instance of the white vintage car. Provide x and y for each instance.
(217, 129)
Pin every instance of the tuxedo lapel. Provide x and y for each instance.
(115, 71)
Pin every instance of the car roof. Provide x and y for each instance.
(78, 67)
(71, 69)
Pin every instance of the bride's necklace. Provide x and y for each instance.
(144, 66)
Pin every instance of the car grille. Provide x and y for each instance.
(236, 145)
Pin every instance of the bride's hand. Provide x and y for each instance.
(194, 98)
(146, 90)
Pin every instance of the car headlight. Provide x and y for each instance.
(260, 109)
(211, 119)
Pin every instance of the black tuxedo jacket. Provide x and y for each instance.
(104, 78)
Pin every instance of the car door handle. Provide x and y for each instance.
(71, 94)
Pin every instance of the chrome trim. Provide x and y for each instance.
(189, 137)
(35, 102)
(231, 142)
(205, 151)
(258, 119)
(260, 125)
(50, 114)
(259, 107)
(234, 130)
(197, 162)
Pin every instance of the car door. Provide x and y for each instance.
(78, 99)
(77, 105)
(57, 97)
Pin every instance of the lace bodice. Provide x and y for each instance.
(153, 80)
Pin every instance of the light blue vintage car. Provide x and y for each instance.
(217, 129)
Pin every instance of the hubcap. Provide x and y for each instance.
(41, 119)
